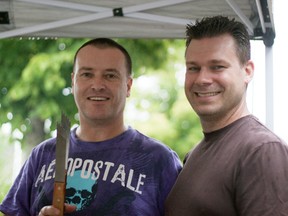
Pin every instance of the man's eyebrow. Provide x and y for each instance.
(85, 68)
(213, 61)
(191, 62)
(112, 70)
(216, 61)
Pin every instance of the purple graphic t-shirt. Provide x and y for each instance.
(130, 174)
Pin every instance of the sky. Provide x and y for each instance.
(256, 92)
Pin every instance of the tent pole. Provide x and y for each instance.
(269, 80)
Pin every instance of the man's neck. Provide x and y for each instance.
(98, 133)
(214, 123)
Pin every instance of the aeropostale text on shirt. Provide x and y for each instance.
(106, 171)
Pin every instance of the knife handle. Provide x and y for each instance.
(59, 196)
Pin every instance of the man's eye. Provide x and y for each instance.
(217, 67)
(86, 74)
(193, 69)
(111, 76)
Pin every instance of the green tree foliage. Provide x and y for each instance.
(6, 164)
(33, 76)
(162, 110)
(35, 85)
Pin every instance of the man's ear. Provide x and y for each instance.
(129, 85)
(249, 71)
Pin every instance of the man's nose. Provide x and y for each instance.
(98, 83)
(204, 76)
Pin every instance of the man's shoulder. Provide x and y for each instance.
(45, 146)
(151, 144)
(260, 133)
(148, 140)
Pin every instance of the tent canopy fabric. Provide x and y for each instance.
(127, 18)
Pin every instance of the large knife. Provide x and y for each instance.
(62, 149)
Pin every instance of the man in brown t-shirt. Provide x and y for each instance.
(240, 167)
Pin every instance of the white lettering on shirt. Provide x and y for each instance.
(99, 170)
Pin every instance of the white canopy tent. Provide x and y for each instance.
(135, 19)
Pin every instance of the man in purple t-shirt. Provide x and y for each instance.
(112, 169)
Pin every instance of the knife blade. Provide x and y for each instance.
(62, 150)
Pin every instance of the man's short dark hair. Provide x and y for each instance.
(219, 25)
